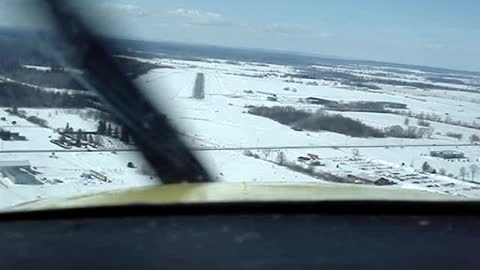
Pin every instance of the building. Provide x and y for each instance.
(447, 154)
(19, 172)
(363, 178)
(99, 176)
(11, 136)
(272, 98)
(303, 159)
(267, 93)
(384, 182)
(394, 105)
(318, 101)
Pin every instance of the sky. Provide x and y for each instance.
(440, 33)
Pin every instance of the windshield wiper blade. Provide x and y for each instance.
(153, 134)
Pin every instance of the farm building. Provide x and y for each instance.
(303, 159)
(99, 176)
(19, 172)
(394, 105)
(384, 182)
(447, 154)
(368, 179)
(361, 178)
(272, 98)
(318, 101)
(11, 136)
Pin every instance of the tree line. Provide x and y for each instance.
(54, 77)
(104, 129)
(107, 129)
(321, 120)
(472, 171)
(133, 68)
(438, 118)
(15, 94)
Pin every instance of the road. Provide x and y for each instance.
(198, 149)
(199, 87)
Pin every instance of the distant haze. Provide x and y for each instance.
(437, 33)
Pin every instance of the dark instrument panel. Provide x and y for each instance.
(215, 237)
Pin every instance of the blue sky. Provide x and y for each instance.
(426, 32)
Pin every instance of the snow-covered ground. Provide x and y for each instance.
(220, 120)
(58, 118)
(61, 175)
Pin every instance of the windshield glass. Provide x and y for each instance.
(371, 100)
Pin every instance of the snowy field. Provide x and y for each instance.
(221, 120)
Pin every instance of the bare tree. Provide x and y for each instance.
(423, 123)
(355, 153)
(457, 136)
(473, 170)
(78, 139)
(98, 140)
(395, 131)
(249, 153)
(266, 153)
(425, 132)
(474, 138)
(411, 132)
(463, 172)
(281, 159)
(90, 139)
(448, 119)
(426, 167)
